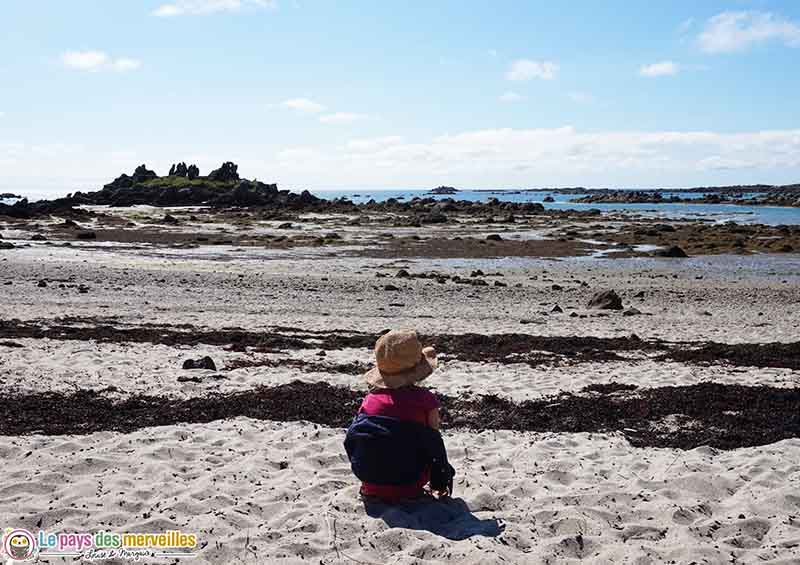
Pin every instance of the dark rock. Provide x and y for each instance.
(38, 237)
(86, 235)
(6, 245)
(204, 363)
(548, 199)
(227, 172)
(606, 300)
(500, 284)
(185, 379)
(285, 226)
(631, 312)
(494, 237)
(557, 309)
(142, 174)
(391, 288)
(403, 274)
(42, 284)
(673, 251)
(169, 219)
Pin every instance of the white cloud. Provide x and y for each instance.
(303, 105)
(580, 97)
(508, 157)
(93, 61)
(556, 156)
(342, 118)
(525, 69)
(374, 143)
(510, 96)
(203, 7)
(736, 31)
(664, 68)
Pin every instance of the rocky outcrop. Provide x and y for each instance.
(756, 195)
(228, 172)
(625, 197)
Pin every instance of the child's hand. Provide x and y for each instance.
(444, 493)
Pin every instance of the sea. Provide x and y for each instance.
(718, 213)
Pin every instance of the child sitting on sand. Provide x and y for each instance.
(394, 444)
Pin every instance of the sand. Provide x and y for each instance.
(264, 492)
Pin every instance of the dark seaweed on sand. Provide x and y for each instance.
(721, 416)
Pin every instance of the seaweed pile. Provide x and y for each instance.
(685, 417)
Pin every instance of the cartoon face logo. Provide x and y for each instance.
(19, 544)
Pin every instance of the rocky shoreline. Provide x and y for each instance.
(190, 211)
(785, 196)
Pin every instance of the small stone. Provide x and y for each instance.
(494, 237)
(606, 300)
(391, 288)
(189, 379)
(42, 284)
(203, 363)
(557, 309)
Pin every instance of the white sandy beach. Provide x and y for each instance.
(263, 492)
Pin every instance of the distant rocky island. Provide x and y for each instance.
(444, 190)
(182, 186)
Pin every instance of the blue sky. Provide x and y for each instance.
(360, 94)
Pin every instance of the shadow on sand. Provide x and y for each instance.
(449, 517)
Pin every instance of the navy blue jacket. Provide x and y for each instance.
(389, 451)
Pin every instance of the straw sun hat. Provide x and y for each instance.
(401, 360)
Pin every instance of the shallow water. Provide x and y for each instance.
(772, 215)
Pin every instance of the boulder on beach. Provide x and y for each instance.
(672, 251)
(606, 300)
(202, 363)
